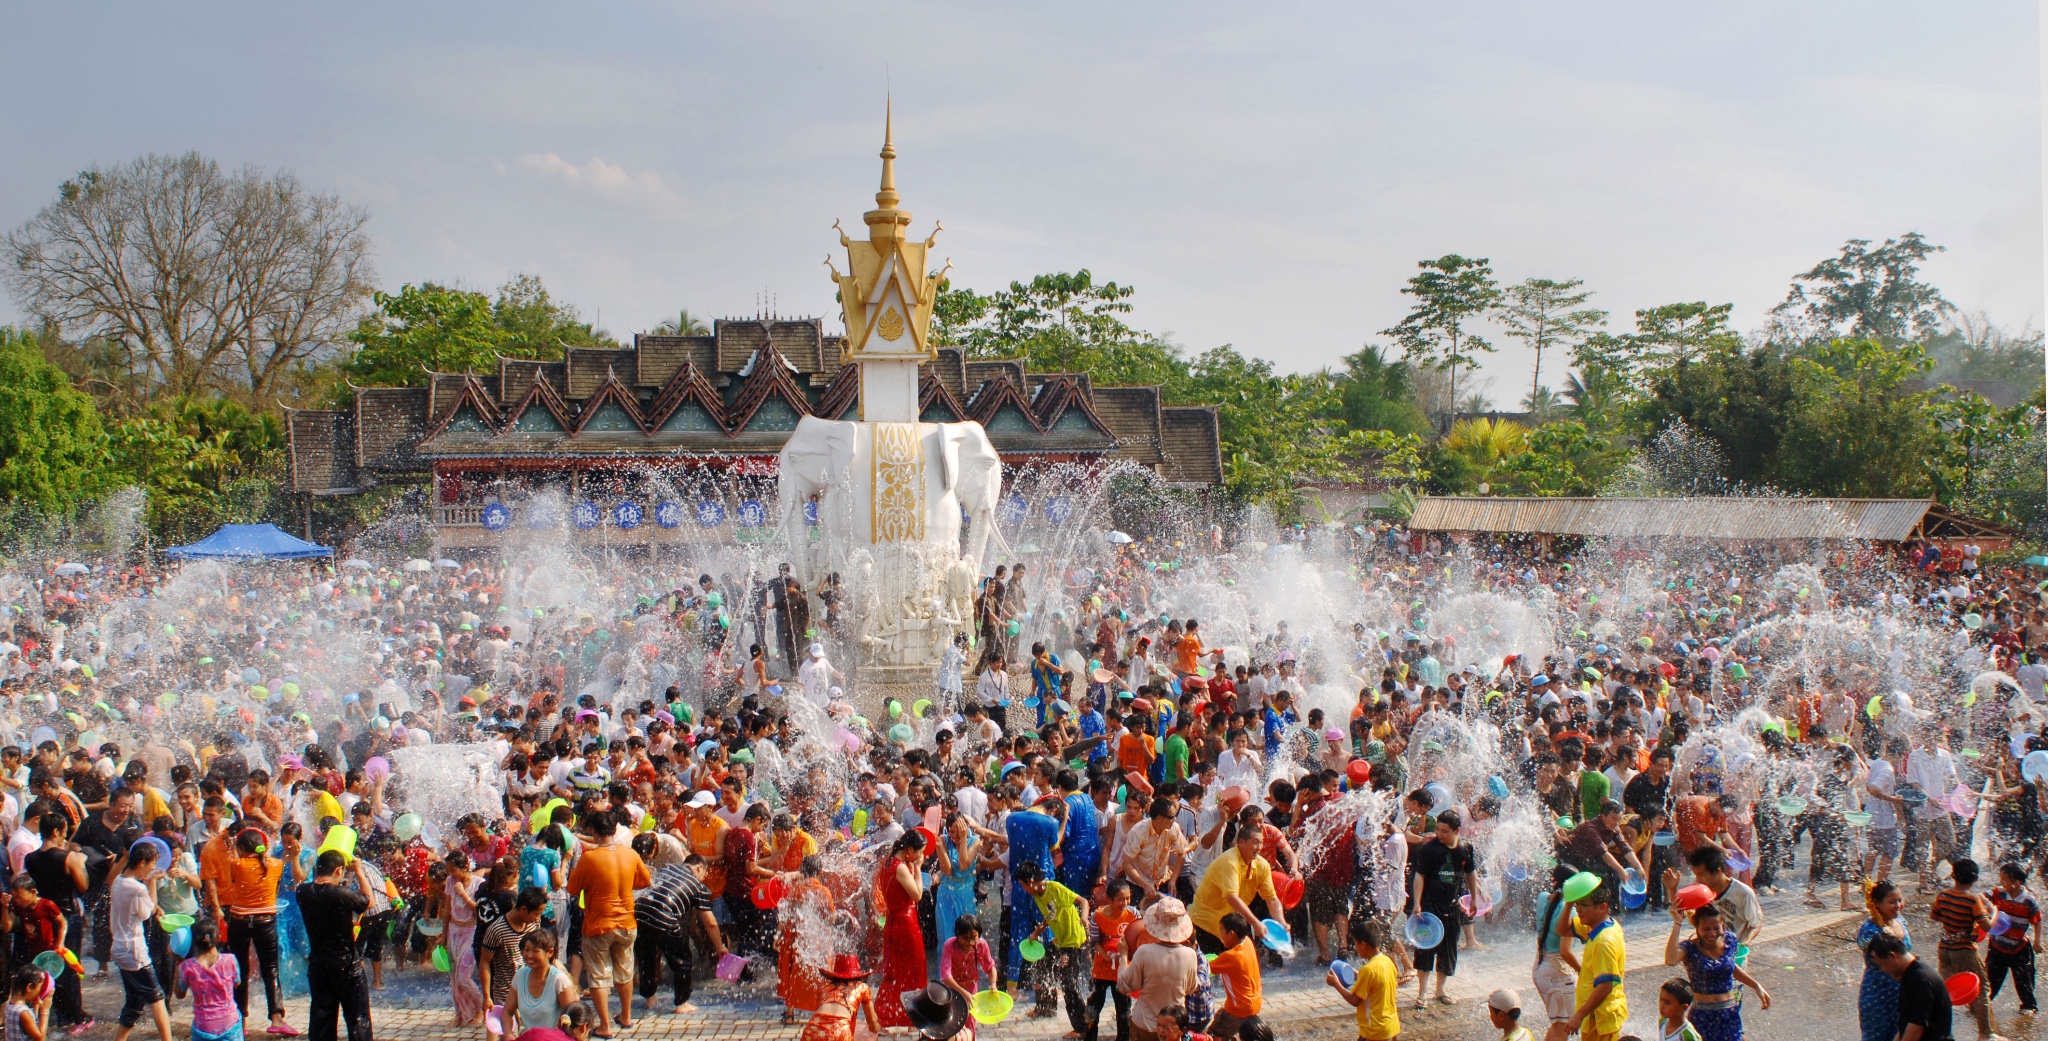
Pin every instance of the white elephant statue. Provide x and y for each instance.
(893, 496)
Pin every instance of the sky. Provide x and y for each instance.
(1265, 175)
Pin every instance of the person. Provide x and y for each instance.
(1962, 914)
(1237, 876)
(540, 989)
(1238, 968)
(248, 894)
(1440, 868)
(1032, 834)
(2011, 950)
(605, 878)
(901, 884)
(1112, 919)
(965, 959)
(1161, 973)
(1739, 905)
(1504, 1011)
(1711, 974)
(1675, 1011)
(499, 957)
(28, 1005)
(846, 995)
(208, 976)
(1556, 974)
(809, 903)
(466, 998)
(1376, 991)
(334, 969)
(56, 874)
(1602, 1004)
(573, 1024)
(664, 914)
(1925, 1012)
(1062, 916)
(1877, 1000)
(957, 853)
(130, 904)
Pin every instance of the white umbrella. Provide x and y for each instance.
(445, 562)
(1120, 539)
(416, 564)
(72, 568)
(358, 563)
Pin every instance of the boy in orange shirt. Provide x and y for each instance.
(1238, 968)
(1111, 919)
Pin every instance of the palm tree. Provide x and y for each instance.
(1541, 404)
(683, 324)
(1595, 393)
(1487, 442)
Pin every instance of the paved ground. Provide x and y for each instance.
(1805, 957)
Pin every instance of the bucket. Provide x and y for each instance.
(1424, 931)
(1277, 936)
(730, 966)
(1663, 838)
(342, 839)
(1344, 971)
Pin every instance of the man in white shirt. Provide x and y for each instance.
(1932, 769)
(973, 802)
(1883, 804)
(817, 676)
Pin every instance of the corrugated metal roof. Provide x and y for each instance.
(1704, 517)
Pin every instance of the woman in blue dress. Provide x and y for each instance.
(1877, 1004)
(957, 854)
(1709, 960)
(292, 942)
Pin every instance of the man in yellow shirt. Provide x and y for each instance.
(1238, 876)
(1603, 1007)
(1374, 992)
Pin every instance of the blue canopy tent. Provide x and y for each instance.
(248, 542)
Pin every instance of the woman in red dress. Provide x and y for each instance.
(903, 956)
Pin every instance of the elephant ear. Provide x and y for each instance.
(949, 457)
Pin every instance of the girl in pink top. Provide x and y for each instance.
(209, 976)
(965, 958)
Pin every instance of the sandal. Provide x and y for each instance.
(1446, 999)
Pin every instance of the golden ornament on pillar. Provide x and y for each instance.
(887, 291)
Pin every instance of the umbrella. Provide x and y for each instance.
(445, 562)
(358, 563)
(1118, 538)
(416, 564)
(2037, 560)
(72, 568)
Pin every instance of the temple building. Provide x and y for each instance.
(674, 440)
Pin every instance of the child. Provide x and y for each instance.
(1674, 1004)
(2011, 950)
(39, 925)
(28, 1004)
(1174, 1025)
(965, 958)
(209, 976)
(1059, 972)
(1238, 968)
(1111, 919)
(1504, 1010)
(1373, 993)
(1961, 914)
(1602, 1005)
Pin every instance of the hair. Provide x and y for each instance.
(965, 925)
(141, 853)
(1027, 873)
(249, 842)
(1708, 858)
(329, 862)
(28, 980)
(1884, 944)
(1679, 989)
(1964, 871)
(531, 898)
(1235, 923)
(203, 940)
(2013, 870)
(1449, 819)
(1558, 875)
(1706, 911)
(540, 940)
(581, 1014)
(1366, 931)
(1115, 886)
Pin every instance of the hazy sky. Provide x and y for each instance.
(1266, 175)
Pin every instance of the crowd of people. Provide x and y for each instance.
(206, 785)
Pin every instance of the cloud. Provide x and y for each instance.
(644, 190)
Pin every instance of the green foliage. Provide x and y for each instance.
(1974, 349)
(1867, 293)
(683, 324)
(1277, 431)
(1856, 426)
(53, 453)
(1377, 394)
(1561, 458)
(1057, 323)
(1546, 314)
(1664, 336)
(1450, 292)
(1986, 460)
(431, 327)
(204, 462)
(1742, 400)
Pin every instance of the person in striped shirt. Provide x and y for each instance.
(1961, 915)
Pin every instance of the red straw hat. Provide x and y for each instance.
(846, 967)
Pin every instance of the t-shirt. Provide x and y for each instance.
(605, 878)
(1238, 968)
(1923, 999)
(501, 946)
(1059, 906)
(741, 846)
(1230, 874)
(1176, 757)
(330, 914)
(1740, 910)
(1605, 961)
(1110, 926)
(1593, 789)
(249, 884)
(675, 897)
(1378, 1019)
(2025, 912)
(36, 927)
(1884, 779)
(130, 906)
(1960, 915)
(1443, 872)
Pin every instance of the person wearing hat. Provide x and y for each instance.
(1504, 1011)
(817, 676)
(1602, 1004)
(1160, 974)
(704, 833)
(936, 1012)
(845, 994)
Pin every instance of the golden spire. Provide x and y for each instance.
(885, 220)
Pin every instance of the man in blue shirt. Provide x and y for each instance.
(1045, 680)
(1083, 842)
(1033, 834)
(1093, 725)
(1280, 716)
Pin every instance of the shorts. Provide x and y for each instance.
(1442, 958)
(1326, 903)
(1559, 986)
(1885, 842)
(139, 989)
(606, 955)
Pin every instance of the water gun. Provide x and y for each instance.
(71, 960)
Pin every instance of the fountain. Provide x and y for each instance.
(891, 494)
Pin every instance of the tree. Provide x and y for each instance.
(1973, 448)
(204, 462)
(683, 324)
(1856, 427)
(1449, 292)
(197, 278)
(53, 452)
(1378, 394)
(1544, 313)
(1561, 458)
(1057, 323)
(1486, 444)
(1276, 431)
(534, 325)
(1664, 336)
(1542, 405)
(426, 328)
(1740, 400)
(1868, 293)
